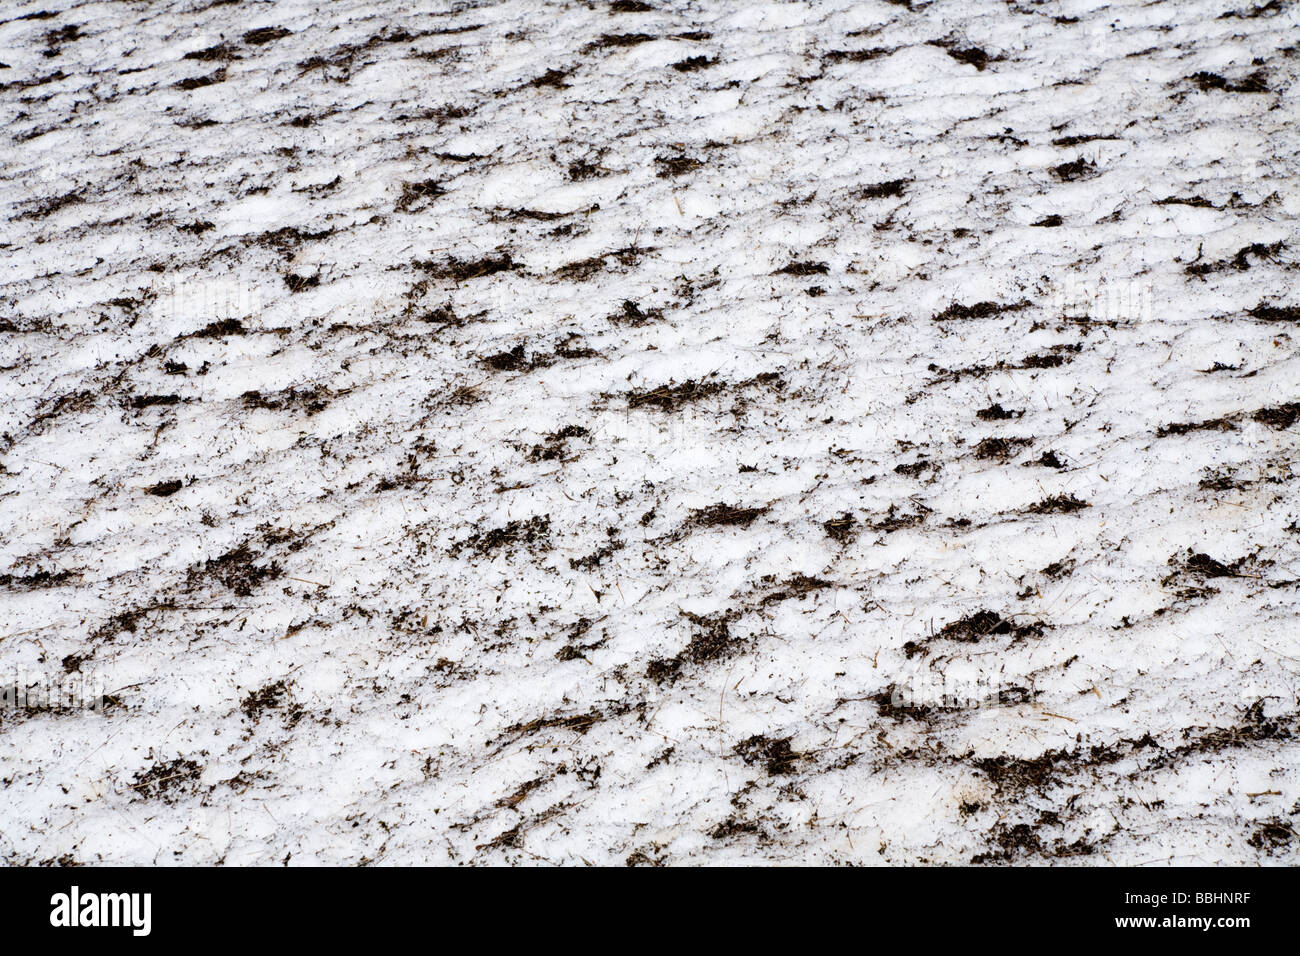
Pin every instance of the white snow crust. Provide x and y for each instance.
(672, 433)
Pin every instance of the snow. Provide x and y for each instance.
(454, 356)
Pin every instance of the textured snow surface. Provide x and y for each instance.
(667, 432)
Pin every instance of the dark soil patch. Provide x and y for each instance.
(552, 78)
(49, 206)
(841, 528)
(971, 55)
(895, 520)
(236, 570)
(72, 402)
(297, 283)
(914, 469)
(32, 582)
(515, 360)
(1018, 774)
(1220, 480)
(584, 269)
(1185, 428)
(1058, 569)
(1279, 416)
(855, 56)
(796, 587)
(287, 239)
(123, 622)
(1205, 81)
(220, 329)
(974, 628)
(198, 82)
(1197, 202)
(555, 445)
(724, 515)
(443, 316)
(669, 397)
(1000, 449)
(577, 723)
(264, 35)
(309, 399)
(1201, 564)
(583, 170)
(632, 314)
(55, 38)
(898, 706)
(1270, 9)
(222, 51)
(1047, 459)
(1240, 261)
(149, 401)
(1058, 505)
(774, 753)
(600, 555)
(1273, 835)
(996, 413)
(461, 270)
(980, 310)
(1074, 171)
(1008, 842)
(712, 641)
(693, 63)
(167, 781)
(507, 840)
(803, 269)
(413, 193)
(574, 650)
(670, 167)
(572, 348)
(885, 190)
(1049, 360)
(1069, 141)
(271, 697)
(616, 41)
(732, 827)
(531, 533)
(1276, 313)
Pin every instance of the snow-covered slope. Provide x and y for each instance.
(666, 432)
